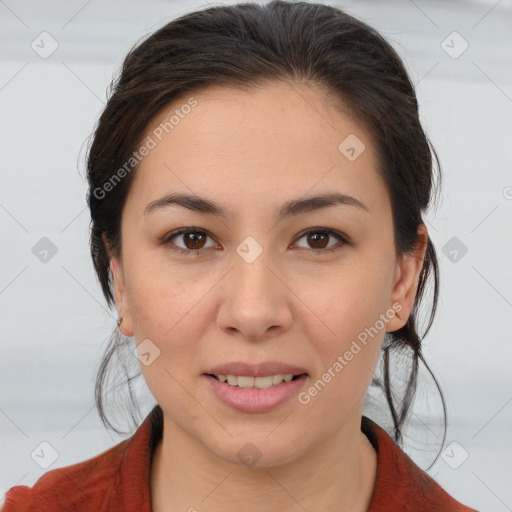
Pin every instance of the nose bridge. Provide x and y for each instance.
(253, 299)
(252, 277)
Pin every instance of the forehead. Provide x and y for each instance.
(241, 145)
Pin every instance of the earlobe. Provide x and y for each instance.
(407, 276)
(124, 322)
(118, 284)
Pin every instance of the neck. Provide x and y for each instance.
(337, 475)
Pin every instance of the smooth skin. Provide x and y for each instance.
(298, 303)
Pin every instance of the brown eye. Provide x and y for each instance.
(193, 241)
(196, 240)
(318, 240)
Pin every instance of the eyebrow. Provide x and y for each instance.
(290, 208)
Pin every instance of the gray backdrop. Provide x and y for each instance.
(57, 59)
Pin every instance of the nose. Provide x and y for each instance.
(255, 300)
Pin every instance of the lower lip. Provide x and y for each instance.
(255, 400)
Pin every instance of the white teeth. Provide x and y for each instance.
(244, 381)
(264, 382)
(277, 379)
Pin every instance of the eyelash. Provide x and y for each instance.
(324, 231)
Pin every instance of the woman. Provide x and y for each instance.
(256, 186)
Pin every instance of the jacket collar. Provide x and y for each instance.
(398, 477)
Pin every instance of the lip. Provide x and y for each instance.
(255, 400)
(255, 370)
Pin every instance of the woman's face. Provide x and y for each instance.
(260, 288)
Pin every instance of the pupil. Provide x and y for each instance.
(190, 238)
(315, 238)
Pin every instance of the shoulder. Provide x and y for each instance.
(86, 483)
(115, 480)
(400, 483)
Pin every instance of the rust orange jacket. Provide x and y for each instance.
(117, 480)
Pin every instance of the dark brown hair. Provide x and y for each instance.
(249, 45)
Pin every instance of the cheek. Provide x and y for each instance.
(348, 350)
(161, 296)
(348, 300)
(344, 319)
(169, 312)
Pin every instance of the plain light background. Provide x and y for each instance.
(53, 318)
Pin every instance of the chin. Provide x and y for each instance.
(253, 452)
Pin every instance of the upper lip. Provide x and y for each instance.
(255, 370)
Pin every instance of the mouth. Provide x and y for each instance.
(250, 394)
(249, 382)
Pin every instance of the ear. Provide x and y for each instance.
(407, 273)
(122, 305)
